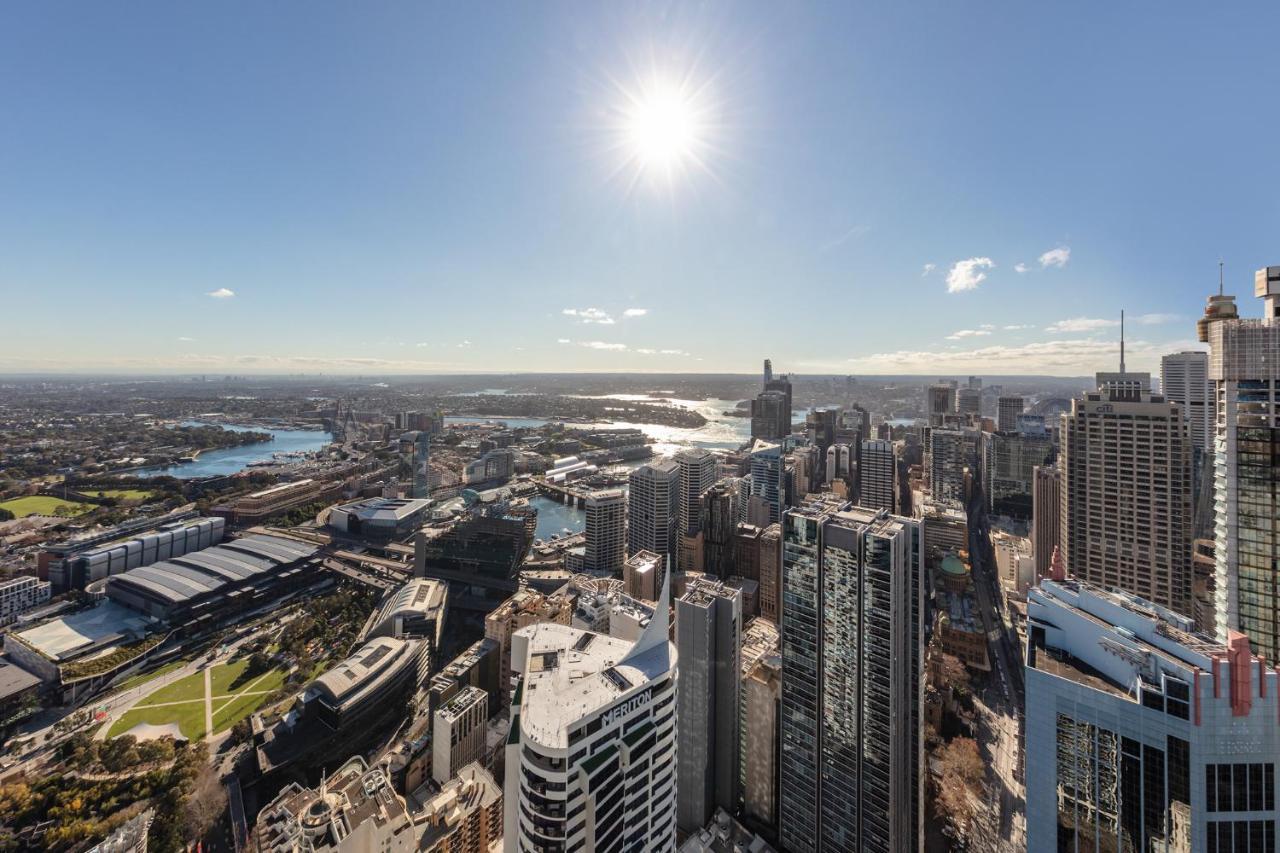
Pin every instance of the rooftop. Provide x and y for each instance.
(62, 638)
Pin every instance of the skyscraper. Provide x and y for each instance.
(771, 409)
(606, 529)
(591, 758)
(758, 751)
(950, 452)
(708, 639)
(1009, 460)
(1184, 379)
(969, 401)
(852, 696)
(1244, 366)
(653, 508)
(1046, 515)
(940, 402)
(765, 504)
(877, 475)
(718, 510)
(421, 464)
(698, 472)
(1007, 411)
(1126, 494)
(1140, 734)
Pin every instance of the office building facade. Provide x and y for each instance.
(1126, 494)
(1244, 367)
(1007, 411)
(606, 531)
(878, 475)
(708, 639)
(653, 508)
(1141, 734)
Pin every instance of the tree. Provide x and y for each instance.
(961, 773)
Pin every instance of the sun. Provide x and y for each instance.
(664, 129)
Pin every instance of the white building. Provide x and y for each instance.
(1141, 735)
(591, 758)
(606, 529)
(20, 595)
(1184, 379)
(698, 472)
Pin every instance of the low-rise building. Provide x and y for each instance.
(380, 676)
(380, 520)
(417, 609)
(353, 811)
(258, 506)
(19, 595)
(466, 816)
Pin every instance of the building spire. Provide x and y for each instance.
(1219, 276)
(1122, 342)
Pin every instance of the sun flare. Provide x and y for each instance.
(664, 129)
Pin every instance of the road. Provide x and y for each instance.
(1000, 704)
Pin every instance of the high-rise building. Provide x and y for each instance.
(698, 472)
(708, 639)
(1140, 734)
(1007, 411)
(771, 409)
(820, 426)
(941, 401)
(839, 459)
(718, 511)
(877, 475)
(1126, 494)
(852, 692)
(1184, 379)
(969, 401)
(764, 507)
(1046, 516)
(653, 508)
(951, 451)
(458, 733)
(591, 758)
(757, 555)
(1244, 367)
(606, 531)
(758, 753)
(1009, 460)
(421, 464)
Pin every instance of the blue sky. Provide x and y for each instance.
(429, 187)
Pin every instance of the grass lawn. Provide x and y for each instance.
(45, 505)
(189, 716)
(143, 678)
(230, 704)
(124, 494)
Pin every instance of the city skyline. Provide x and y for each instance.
(564, 190)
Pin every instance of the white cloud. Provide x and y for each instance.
(968, 333)
(855, 231)
(635, 312)
(422, 344)
(1081, 324)
(1020, 267)
(1071, 357)
(603, 345)
(1056, 257)
(563, 341)
(589, 315)
(674, 352)
(928, 268)
(967, 274)
(1156, 319)
(647, 351)
(464, 344)
(987, 326)
(1018, 327)
(221, 293)
(186, 339)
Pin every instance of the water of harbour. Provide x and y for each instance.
(229, 460)
(554, 517)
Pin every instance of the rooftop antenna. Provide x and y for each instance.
(1121, 341)
(1219, 276)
